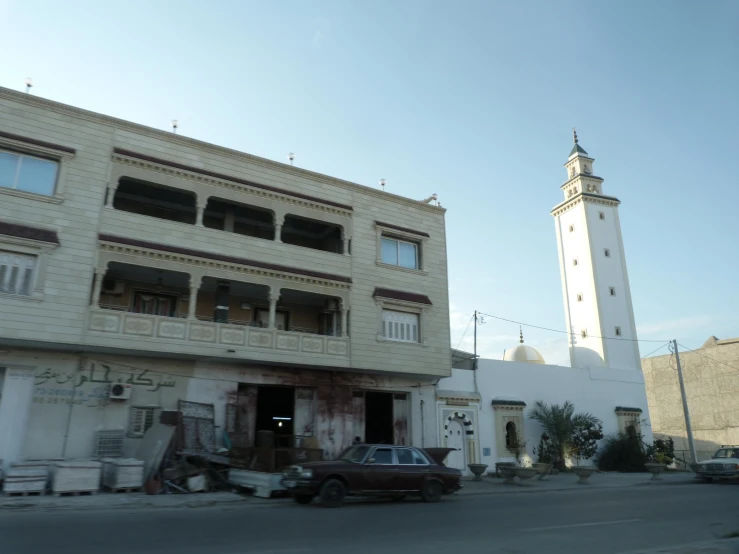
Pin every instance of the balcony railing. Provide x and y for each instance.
(174, 330)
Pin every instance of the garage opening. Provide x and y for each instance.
(379, 418)
(275, 409)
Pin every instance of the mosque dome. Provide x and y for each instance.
(523, 353)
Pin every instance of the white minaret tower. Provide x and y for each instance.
(595, 283)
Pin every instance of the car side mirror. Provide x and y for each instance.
(371, 461)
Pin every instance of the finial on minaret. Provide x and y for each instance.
(520, 333)
(574, 134)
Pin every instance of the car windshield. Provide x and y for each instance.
(726, 453)
(354, 454)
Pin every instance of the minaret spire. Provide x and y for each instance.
(520, 334)
(574, 134)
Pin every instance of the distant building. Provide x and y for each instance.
(483, 412)
(142, 269)
(711, 376)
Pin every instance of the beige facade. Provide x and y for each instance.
(151, 245)
(711, 376)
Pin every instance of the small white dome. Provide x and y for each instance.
(523, 353)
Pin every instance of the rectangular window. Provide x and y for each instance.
(601, 215)
(584, 333)
(607, 253)
(155, 304)
(142, 419)
(579, 297)
(618, 331)
(399, 252)
(28, 173)
(572, 228)
(16, 273)
(612, 290)
(399, 326)
(383, 456)
(574, 261)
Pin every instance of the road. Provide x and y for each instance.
(604, 521)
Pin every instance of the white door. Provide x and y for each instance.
(15, 403)
(455, 439)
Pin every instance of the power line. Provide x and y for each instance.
(465, 331)
(708, 357)
(567, 332)
(653, 351)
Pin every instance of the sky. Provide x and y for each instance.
(472, 100)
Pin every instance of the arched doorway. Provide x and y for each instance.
(456, 439)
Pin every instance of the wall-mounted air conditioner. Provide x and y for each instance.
(120, 391)
(113, 287)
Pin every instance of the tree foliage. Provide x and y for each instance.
(561, 424)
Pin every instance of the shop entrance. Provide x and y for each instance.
(379, 418)
(275, 409)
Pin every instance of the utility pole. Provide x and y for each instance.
(686, 411)
(474, 362)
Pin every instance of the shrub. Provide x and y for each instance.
(545, 453)
(585, 439)
(622, 452)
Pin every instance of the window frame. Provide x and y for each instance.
(420, 242)
(19, 168)
(29, 247)
(403, 306)
(607, 252)
(393, 461)
(612, 291)
(61, 157)
(418, 326)
(132, 432)
(617, 330)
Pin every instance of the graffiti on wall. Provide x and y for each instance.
(91, 387)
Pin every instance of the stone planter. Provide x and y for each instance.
(583, 472)
(477, 470)
(524, 473)
(508, 473)
(543, 470)
(655, 469)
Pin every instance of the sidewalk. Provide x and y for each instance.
(568, 481)
(490, 485)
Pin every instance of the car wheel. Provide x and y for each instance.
(333, 492)
(432, 491)
(303, 498)
(398, 497)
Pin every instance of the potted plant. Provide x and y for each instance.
(660, 454)
(584, 445)
(544, 457)
(477, 470)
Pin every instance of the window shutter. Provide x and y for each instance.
(400, 326)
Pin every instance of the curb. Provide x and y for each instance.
(718, 546)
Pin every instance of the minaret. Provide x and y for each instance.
(595, 283)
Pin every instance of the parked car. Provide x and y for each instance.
(723, 465)
(371, 470)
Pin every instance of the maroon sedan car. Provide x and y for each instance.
(372, 470)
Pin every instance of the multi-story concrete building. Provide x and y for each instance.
(184, 271)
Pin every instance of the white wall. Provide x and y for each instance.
(597, 390)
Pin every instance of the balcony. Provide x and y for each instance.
(145, 308)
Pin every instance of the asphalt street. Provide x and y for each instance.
(583, 521)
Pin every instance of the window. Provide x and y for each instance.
(400, 253)
(601, 215)
(612, 290)
(572, 228)
(579, 297)
(399, 326)
(405, 456)
(607, 252)
(574, 261)
(154, 304)
(584, 333)
(383, 456)
(618, 331)
(511, 437)
(16, 273)
(28, 173)
(142, 418)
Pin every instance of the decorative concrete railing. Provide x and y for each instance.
(173, 330)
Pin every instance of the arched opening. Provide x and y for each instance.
(511, 437)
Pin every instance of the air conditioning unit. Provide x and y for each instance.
(120, 391)
(113, 287)
(332, 305)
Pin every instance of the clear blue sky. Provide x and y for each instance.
(472, 100)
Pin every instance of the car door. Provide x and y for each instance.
(381, 470)
(413, 468)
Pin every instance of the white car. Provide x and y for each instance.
(723, 465)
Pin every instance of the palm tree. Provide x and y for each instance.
(559, 423)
